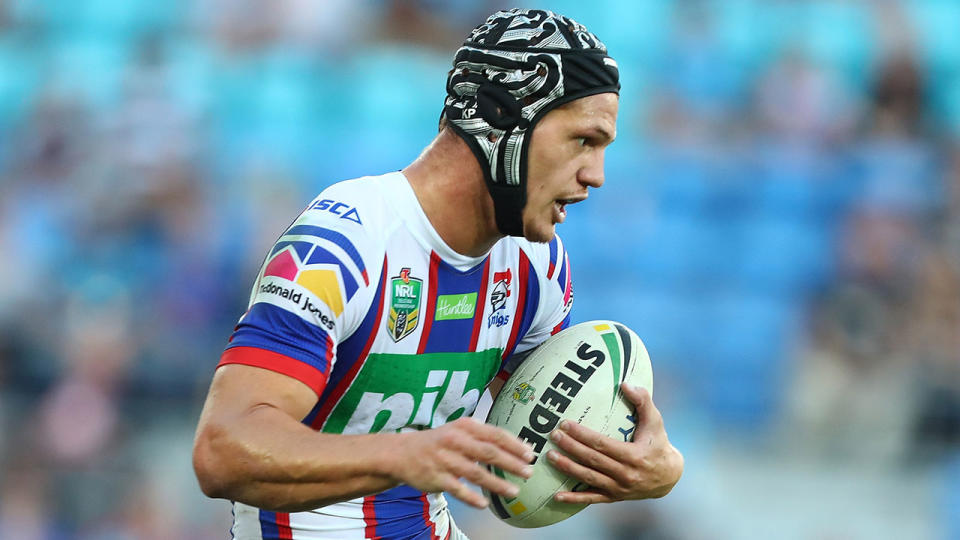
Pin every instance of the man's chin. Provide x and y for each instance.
(540, 235)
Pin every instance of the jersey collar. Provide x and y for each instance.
(401, 195)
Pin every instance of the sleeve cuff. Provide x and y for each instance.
(291, 367)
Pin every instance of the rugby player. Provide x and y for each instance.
(341, 406)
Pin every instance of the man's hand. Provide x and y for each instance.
(435, 460)
(646, 468)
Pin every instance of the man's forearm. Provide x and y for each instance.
(301, 497)
(267, 459)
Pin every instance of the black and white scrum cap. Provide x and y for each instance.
(512, 70)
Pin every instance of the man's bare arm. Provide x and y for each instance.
(251, 447)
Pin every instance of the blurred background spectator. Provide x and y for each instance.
(785, 188)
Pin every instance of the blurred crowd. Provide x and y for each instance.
(780, 224)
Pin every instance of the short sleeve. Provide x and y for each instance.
(310, 294)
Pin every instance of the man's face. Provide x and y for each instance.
(566, 158)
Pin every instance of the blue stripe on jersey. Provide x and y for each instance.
(275, 329)
(529, 310)
(321, 256)
(453, 335)
(399, 513)
(348, 352)
(562, 278)
(302, 248)
(268, 525)
(340, 240)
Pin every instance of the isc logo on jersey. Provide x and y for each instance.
(344, 211)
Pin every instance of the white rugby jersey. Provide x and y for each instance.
(362, 301)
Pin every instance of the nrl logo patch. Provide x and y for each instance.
(404, 305)
(524, 393)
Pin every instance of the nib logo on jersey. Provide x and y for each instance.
(401, 391)
(498, 299)
(288, 277)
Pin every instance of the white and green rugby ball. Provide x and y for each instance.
(574, 375)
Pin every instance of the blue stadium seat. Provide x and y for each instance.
(633, 43)
(129, 17)
(668, 321)
(191, 65)
(785, 257)
(20, 79)
(398, 86)
(839, 35)
(743, 363)
(90, 66)
(950, 483)
(898, 174)
(745, 31)
(936, 22)
(945, 100)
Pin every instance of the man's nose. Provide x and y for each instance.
(591, 175)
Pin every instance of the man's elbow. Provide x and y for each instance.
(208, 465)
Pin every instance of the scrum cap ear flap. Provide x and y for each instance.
(498, 107)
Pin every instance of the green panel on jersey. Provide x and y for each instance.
(421, 390)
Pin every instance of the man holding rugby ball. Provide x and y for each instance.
(340, 408)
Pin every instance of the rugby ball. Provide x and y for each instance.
(573, 375)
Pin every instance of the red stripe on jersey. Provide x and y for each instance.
(522, 277)
(482, 301)
(283, 526)
(341, 388)
(431, 302)
(557, 328)
(366, 279)
(330, 347)
(426, 517)
(567, 287)
(291, 367)
(369, 517)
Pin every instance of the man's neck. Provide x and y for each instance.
(449, 185)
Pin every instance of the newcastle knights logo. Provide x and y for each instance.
(404, 305)
(498, 299)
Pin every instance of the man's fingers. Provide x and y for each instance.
(460, 490)
(584, 474)
(639, 396)
(493, 446)
(582, 497)
(479, 475)
(619, 451)
(505, 440)
(491, 454)
(648, 415)
(585, 455)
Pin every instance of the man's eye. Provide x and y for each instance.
(582, 141)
